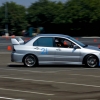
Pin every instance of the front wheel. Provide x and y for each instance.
(30, 61)
(91, 61)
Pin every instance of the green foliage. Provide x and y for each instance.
(15, 16)
(83, 10)
(72, 16)
(43, 12)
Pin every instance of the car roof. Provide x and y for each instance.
(48, 35)
(60, 35)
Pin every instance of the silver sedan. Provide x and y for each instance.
(54, 49)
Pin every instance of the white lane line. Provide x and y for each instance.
(81, 68)
(6, 98)
(46, 81)
(40, 71)
(76, 69)
(27, 92)
(30, 71)
(83, 75)
(23, 70)
(50, 71)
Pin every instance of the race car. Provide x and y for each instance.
(51, 49)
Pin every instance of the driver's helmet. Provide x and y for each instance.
(65, 43)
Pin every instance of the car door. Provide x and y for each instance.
(44, 49)
(65, 54)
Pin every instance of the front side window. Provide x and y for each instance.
(64, 43)
(44, 42)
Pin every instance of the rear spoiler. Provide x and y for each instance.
(17, 41)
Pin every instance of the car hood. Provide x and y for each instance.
(92, 48)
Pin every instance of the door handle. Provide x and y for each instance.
(58, 49)
(36, 48)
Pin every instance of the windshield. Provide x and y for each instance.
(78, 42)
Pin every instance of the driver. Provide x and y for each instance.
(58, 44)
(65, 43)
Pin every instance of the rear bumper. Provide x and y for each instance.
(15, 57)
(12, 58)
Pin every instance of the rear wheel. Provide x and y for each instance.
(91, 61)
(30, 61)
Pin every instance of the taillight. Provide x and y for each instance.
(14, 49)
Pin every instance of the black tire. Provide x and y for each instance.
(91, 61)
(30, 60)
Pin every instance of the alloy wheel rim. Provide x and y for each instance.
(30, 61)
(92, 61)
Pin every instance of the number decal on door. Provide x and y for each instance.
(44, 51)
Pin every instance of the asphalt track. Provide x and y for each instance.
(18, 82)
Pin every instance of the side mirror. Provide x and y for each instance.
(75, 47)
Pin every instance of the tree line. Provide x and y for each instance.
(73, 17)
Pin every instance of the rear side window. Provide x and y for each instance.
(44, 42)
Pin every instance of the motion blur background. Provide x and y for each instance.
(29, 17)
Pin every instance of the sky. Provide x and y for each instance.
(26, 3)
